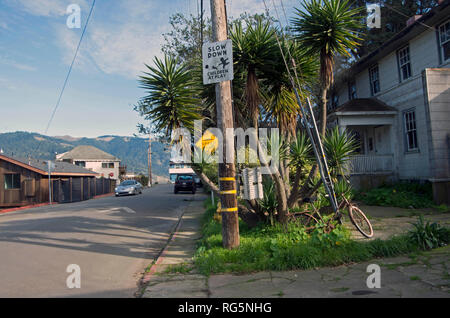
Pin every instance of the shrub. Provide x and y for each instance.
(402, 195)
(291, 247)
(428, 235)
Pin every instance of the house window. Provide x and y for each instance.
(80, 163)
(410, 130)
(359, 142)
(404, 63)
(352, 90)
(108, 165)
(374, 76)
(12, 181)
(444, 36)
(333, 102)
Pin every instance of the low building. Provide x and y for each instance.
(396, 102)
(179, 167)
(26, 182)
(94, 159)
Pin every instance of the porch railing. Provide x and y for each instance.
(371, 164)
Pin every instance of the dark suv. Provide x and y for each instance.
(185, 182)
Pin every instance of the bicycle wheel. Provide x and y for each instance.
(305, 219)
(360, 221)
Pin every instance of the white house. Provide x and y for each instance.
(396, 102)
(94, 159)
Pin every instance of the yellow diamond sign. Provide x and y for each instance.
(208, 143)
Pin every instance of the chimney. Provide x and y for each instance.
(412, 20)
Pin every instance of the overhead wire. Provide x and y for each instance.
(68, 74)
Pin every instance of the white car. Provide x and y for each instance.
(128, 187)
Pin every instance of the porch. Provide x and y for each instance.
(362, 164)
(371, 123)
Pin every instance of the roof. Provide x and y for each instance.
(364, 105)
(434, 16)
(87, 153)
(41, 167)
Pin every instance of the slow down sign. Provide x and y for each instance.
(217, 62)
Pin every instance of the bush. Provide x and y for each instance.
(402, 195)
(277, 247)
(428, 236)
(291, 247)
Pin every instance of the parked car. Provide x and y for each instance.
(128, 187)
(198, 182)
(185, 182)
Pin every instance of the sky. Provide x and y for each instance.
(37, 47)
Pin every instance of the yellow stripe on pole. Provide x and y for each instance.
(227, 179)
(228, 192)
(228, 210)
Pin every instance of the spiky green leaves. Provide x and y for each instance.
(172, 100)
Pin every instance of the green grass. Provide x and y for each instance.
(273, 248)
(178, 269)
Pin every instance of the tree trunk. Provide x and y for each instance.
(252, 96)
(214, 188)
(279, 185)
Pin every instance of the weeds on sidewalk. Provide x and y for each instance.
(273, 248)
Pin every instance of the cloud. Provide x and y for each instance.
(3, 25)
(46, 8)
(20, 66)
(113, 49)
(125, 50)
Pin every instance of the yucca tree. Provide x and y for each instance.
(254, 52)
(327, 28)
(171, 100)
(281, 104)
(339, 147)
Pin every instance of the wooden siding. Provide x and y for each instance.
(17, 197)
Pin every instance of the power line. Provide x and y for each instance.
(68, 73)
(70, 69)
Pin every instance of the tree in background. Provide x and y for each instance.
(263, 95)
(394, 14)
(254, 49)
(327, 28)
(171, 100)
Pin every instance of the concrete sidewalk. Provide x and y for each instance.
(426, 275)
(178, 256)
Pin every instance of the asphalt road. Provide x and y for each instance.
(112, 240)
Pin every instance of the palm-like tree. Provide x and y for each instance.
(171, 102)
(281, 104)
(327, 28)
(254, 51)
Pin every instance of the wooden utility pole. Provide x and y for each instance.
(227, 169)
(150, 183)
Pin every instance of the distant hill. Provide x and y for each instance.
(131, 150)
